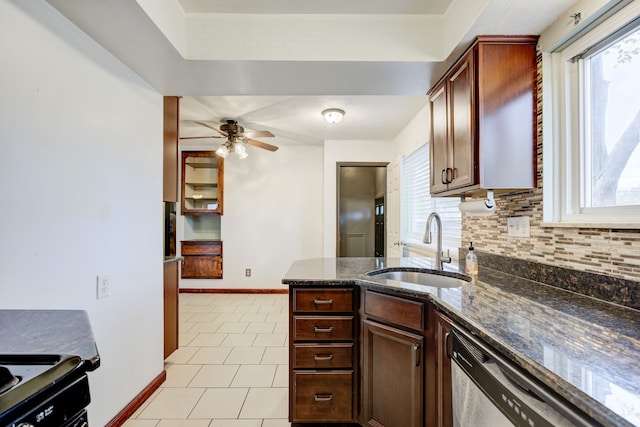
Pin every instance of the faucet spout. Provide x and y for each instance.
(441, 258)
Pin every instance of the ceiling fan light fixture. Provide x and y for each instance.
(240, 150)
(333, 115)
(223, 151)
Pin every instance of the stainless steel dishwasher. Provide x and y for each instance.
(490, 391)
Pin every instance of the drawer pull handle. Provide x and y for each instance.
(323, 397)
(324, 330)
(323, 301)
(323, 356)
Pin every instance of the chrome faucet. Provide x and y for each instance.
(441, 258)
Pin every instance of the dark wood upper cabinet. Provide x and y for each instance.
(170, 149)
(483, 119)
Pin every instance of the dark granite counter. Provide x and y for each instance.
(48, 332)
(585, 349)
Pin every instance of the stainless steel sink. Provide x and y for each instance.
(425, 277)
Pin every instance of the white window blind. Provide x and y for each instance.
(417, 204)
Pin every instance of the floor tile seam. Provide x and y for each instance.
(211, 419)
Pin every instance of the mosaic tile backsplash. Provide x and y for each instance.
(611, 252)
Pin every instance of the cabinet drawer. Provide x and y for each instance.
(325, 300)
(322, 328)
(323, 396)
(201, 248)
(398, 311)
(314, 356)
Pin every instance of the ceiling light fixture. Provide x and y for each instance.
(333, 115)
(236, 146)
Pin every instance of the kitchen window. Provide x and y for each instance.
(417, 204)
(592, 174)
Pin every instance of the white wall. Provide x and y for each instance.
(272, 216)
(81, 181)
(344, 151)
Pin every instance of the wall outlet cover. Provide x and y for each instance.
(102, 286)
(518, 226)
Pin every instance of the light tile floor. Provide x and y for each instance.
(231, 369)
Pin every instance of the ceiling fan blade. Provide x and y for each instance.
(200, 137)
(207, 125)
(261, 144)
(258, 134)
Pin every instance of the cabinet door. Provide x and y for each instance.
(392, 376)
(170, 150)
(461, 152)
(443, 371)
(201, 267)
(170, 308)
(439, 143)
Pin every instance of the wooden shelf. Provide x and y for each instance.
(202, 174)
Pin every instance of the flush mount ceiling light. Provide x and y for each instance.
(333, 115)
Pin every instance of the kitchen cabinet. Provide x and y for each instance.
(483, 119)
(202, 183)
(392, 361)
(322, 355)
(170, 148)
(442, 329)
(170, 307)
(202, 259)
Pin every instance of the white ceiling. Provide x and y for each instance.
(286, 97)
(419, 7)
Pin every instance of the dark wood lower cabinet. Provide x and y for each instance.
(443, 370)
(170, 308)
(392, 376)
(202, 259)
(322, 356)
(379, 360)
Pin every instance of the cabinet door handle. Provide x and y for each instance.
(323, 356)
(325, 330)
(443, 177)
(323, 301)
(323, 397)
(447, 345)
(416, 350)
(451, 177)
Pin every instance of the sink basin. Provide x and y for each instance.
(433, 278)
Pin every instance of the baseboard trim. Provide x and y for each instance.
(137, 402)
(232, 291)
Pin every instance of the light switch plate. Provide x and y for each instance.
(518, 226)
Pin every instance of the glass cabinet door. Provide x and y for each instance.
(202, 183)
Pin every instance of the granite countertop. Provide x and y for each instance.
(49, 332)
(585, 349)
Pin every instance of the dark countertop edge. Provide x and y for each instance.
(578, 398)
(172, 260)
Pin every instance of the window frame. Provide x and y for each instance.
(563, 137)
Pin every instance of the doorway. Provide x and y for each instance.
(361, 194)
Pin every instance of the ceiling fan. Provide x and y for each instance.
(236, 138)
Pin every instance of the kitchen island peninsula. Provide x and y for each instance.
(347, 328)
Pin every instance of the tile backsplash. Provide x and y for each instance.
(612, 252)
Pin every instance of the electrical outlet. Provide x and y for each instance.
(518, 226)
(247, 272)
(102, 286)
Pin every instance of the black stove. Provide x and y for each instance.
(43, 390)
